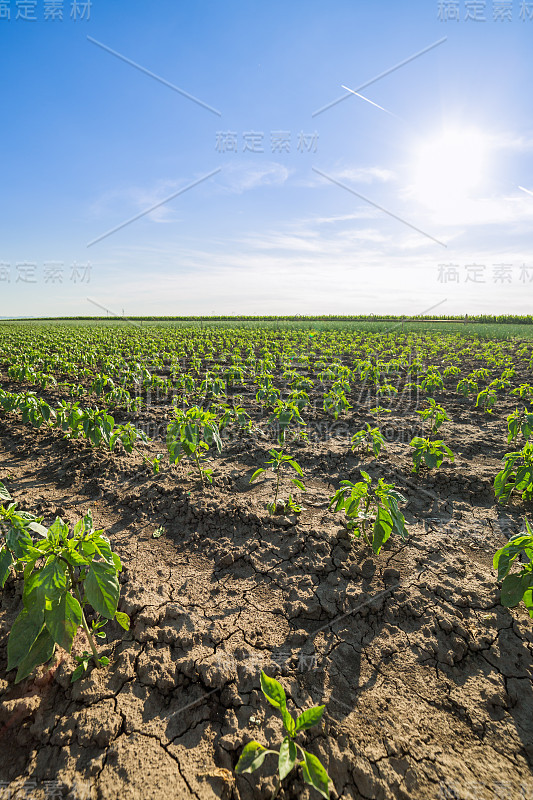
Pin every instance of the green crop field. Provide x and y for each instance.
(333, 511)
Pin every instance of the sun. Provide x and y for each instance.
(450, 168)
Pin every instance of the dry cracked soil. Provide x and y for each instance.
(426, 678)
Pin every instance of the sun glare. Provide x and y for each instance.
(450, 168)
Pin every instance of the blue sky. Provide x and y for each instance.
(418, 199)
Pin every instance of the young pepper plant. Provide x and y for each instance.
(191, 432)
(97, 426)
(467, 386)
(434, 413)
(377, 411)
(34, 410)
(373, 513)
(232, 414)
(13, 526)
(286, 414)
(516, 475)
(432, 452)
(279, 460)
(69, 418)
(486, 399)
(128, 435)
(335, 402)
(76, 570)
(516, 586)
(524, 390)
(371, 439)
(254, 753)
(520, 421)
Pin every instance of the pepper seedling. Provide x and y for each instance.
(63, 573)
(254, 753)
(278, 460)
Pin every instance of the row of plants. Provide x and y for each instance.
(194, 430)
(133, 357)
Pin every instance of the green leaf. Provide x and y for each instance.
(102, 589)
(287, 757)
(6, 559)
(528, 601)
(398, 520)
(297, 467)
(75, 559)
(273, 691)
(58, 530)
(123, 620)
(4, 494)
(63, 620)
(40, 530)
(309, 718)
(299, 484)
(18, 539)
(352, 506)
(40, 652)
(88, 549)
(256, 474)
(449, 452)
(251, 758)
(502, 561)
(103, 547)
(78, 672)
(382, 529)
(24, 515)
(432, 460)
(45, 584)
(513, 589)
(24, 632)
(288, 721)
(500, 482)
(315, 774)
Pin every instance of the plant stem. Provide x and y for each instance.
(365, 523)
(83, 620)
(91, 640)
(199, 468)
(277, 484)
(145, 458)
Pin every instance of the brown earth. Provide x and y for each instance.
(426, 678)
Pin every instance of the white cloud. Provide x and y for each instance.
(364, 175)
(242, 177)
(506, 210)
(120, 203)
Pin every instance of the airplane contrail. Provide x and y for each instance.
(369, 101)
